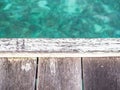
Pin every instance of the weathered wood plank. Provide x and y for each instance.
(59, 74)
(60, 45)
(101, 73)
(17, 73)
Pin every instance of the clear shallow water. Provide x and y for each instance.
(60, 18)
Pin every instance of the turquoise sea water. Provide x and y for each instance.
(59, 18)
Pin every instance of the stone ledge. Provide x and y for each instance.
(65, 47)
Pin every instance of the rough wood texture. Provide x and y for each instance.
(17, 73)
(101, 73)
(59, 74)
(60, 45)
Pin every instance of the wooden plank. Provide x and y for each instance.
(17, 73)
(60, 45)
(59, 74)
(101, 73)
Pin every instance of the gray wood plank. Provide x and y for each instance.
(59, 74)
(101, 73)
(17, 73)
(60, 45)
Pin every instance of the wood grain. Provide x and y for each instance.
(17, 73)
(60, 45)
(101, 73)
(59, 74)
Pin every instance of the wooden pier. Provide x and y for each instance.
(60, 64)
